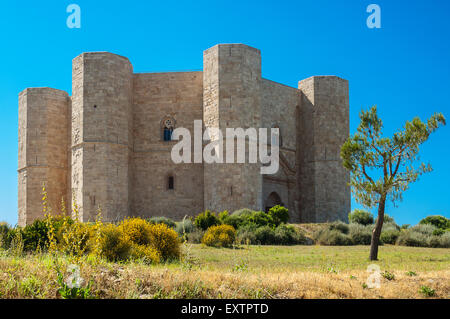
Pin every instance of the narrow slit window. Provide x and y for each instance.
(171, 182)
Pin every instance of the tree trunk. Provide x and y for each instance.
(377, 230)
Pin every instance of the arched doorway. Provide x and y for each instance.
(273, 200)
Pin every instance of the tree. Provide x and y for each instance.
(383, 168)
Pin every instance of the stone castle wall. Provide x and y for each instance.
(105, 143)
(159, 96)
(43, 117)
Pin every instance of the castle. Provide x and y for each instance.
(109, 143)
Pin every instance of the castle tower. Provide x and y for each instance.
(43, 145)
(323, 128)
(101, 134)
(231, 99)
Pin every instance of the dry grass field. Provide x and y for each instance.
(243, 272)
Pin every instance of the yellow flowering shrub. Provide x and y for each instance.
(160, 237)
(137, 230)
(219, 236)
(165, 240)
(145, 253)
(114, 244)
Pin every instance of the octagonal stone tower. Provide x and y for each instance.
(43, 150)
(101, 134)
(232, 99)
(323, 127)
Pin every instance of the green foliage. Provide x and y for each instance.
(388, 219)
(445, 240)
(331, 237)
(242, 211)
(427, 291)
(219, 236)
(186, 226)
(288, 235)
(265, 235)
(73, 292)
(367, 151)
(360, 216)
(114, 244)
(437, 221)
(195, 237)
(279, 215)
(206, 219)
(260, 219)
(246, 234)
(438, 232)
(5, 235)
(359, 234)
(413, 238)
(389, 236)
(162, 220)
(425, 229)
(388, 275)
(339, 226)
(411, 273)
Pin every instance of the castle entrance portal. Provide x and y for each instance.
(273, 200)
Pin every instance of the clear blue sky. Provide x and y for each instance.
(404, 67)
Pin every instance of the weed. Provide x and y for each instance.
(427, 291)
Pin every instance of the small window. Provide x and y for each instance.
(167, 129)
(280, 138)
(168, 134)
(171, 182)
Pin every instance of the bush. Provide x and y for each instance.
(425, 229)
(158, 236)
(246, 234)
(260, 219)
(5, 237)
(445, 240)
(242, 211)
(265, 235)
(359, 216)
(279, 215)
(437, 221)
(388, 226)
(162, 220)
(388, 219)
(145, 254)
(434, 241)
(195, 237)
(206, 219)
(288, 235)
(186, 226)
(237, 221)
(137, 230)
(331, 237)
(114, 244)
(413, 238)
(74, 238)
(359, 234)
(339, 226)
(35, 235)
(438, 232)
(389, 236)
(165, 240)
(219, 236)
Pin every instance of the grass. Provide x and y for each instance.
(244, 272)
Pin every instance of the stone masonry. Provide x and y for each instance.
(104, 145)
